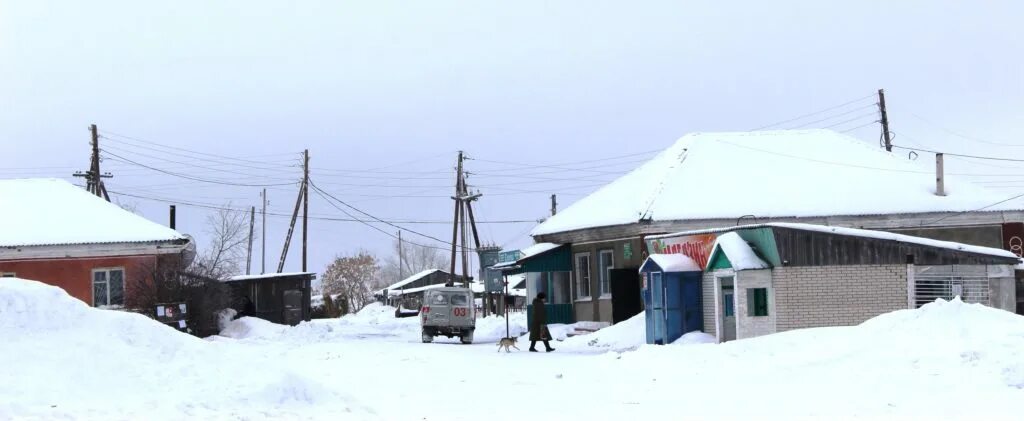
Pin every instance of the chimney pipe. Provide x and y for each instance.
(940, 183)
(172, 216)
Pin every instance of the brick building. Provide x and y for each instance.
(767, 278)
(709, 180)
(54, 232)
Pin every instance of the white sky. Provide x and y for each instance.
(373, 84)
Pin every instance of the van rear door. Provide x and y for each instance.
(439, 308)
(461, 309)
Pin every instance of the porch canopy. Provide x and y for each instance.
(548, 268)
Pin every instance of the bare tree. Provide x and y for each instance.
(351, 279)
(229, 238)
(415, 259)
(199, 282)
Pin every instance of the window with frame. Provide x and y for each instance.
(582, 275)
(108, 287)
(8, 275)
(605, 264)
(757, 302)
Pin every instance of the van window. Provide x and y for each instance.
(459, 300)
(439, 299)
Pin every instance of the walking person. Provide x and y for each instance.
(539, 325)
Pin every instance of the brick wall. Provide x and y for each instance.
(74, 275)
(818, 296)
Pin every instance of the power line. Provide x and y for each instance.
(288, 215)
(859, 127)
(832, 117)
(224, 170)
(187, 150)
(850, 120)
(322, 192)
(992, 158)
(963, 136)
(588, 161)
(975, 210)
(560, 168)
(814, 113)
(187, 177)
(266, 167)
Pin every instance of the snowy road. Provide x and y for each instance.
(64, 360)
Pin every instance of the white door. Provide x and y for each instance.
(728, 310)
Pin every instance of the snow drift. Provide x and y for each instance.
(375, 320)
(72, 359)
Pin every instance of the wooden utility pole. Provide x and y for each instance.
(458, 211)
(263, 248)
(554, 205)
(299, 202)
(400, 259)
(172, 217)
(305, 204)
(885, 120)
(248, 253)
(464, 220)
(93, 177)
(291, 229)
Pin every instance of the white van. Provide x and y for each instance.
(449, 312)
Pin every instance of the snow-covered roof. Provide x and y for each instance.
(882, 235)
(48, 211)
(856, 232)
(673, 262)
(739, 253)
(409, 280)
(529, 252)
(400, 292)
(786, 173)
(269, 276)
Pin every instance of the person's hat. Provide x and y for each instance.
(541, 295)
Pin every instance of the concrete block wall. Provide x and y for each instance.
(819, 296)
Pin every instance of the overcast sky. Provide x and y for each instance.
(395, 89)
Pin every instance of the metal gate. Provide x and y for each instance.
(969, 282)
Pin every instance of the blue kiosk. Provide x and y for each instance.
(671, 289)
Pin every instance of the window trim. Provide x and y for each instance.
(606, 273)
(590, 276)
(107, 270)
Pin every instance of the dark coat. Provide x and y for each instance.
(539, 324)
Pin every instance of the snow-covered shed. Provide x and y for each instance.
(767, 278)
(708, 180)
(282, 298)
(56, 233)
(409, 290)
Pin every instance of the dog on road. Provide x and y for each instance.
(507, 343)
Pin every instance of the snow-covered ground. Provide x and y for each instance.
(62, 359)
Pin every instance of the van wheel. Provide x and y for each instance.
(467, 338)
(427, 338)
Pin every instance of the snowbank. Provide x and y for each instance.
(374, 320)
(624, 336)
(73, 360)
(491, 329)
(695, 338)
